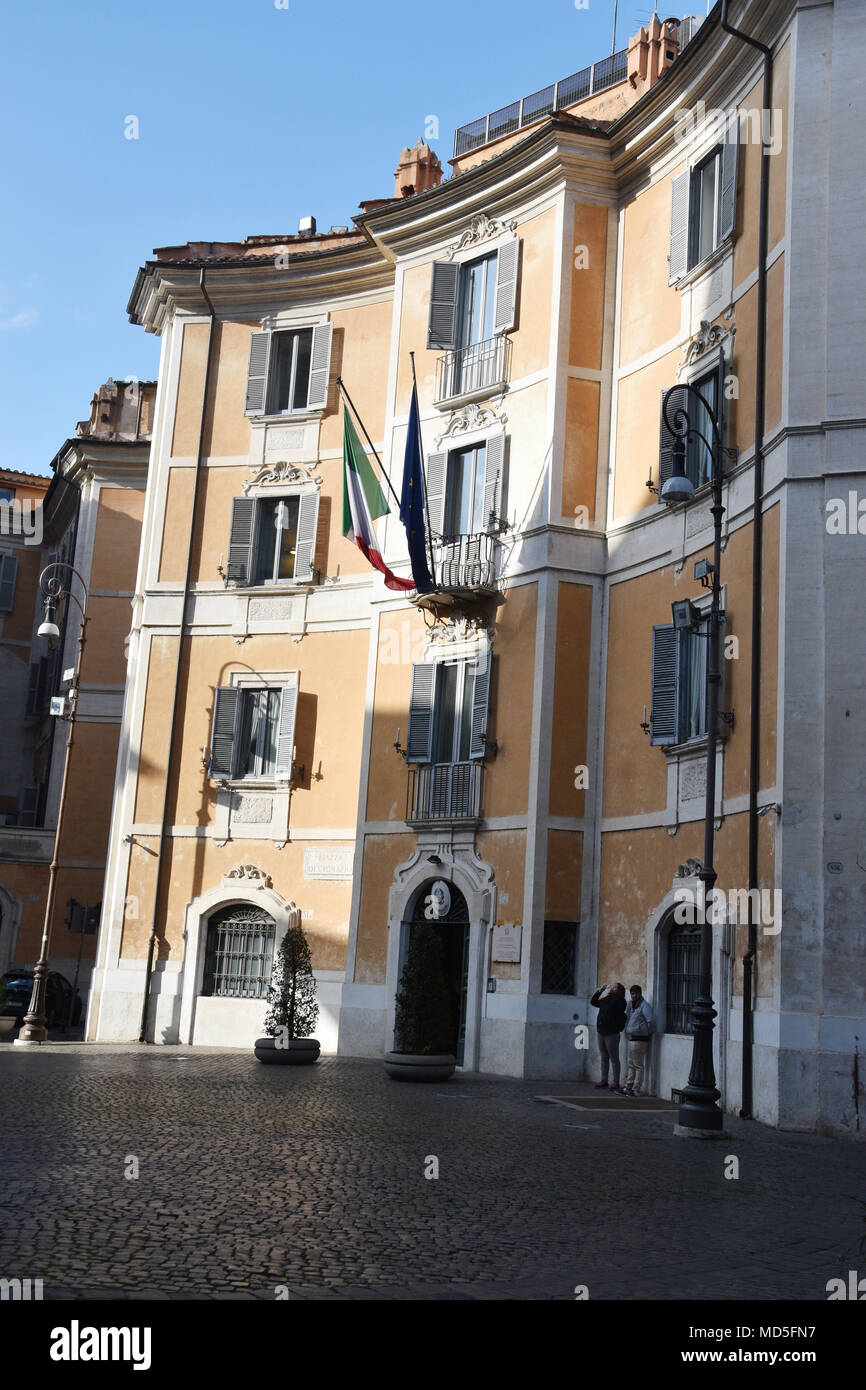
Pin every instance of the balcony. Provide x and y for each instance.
(473, 371)
(445, 792)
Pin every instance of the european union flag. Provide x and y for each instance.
(412, 502)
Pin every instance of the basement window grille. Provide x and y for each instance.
(240, 954)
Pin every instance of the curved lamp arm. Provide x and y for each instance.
(682, 428)
(52, 586)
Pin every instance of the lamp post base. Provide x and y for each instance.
(690, 1132)
(32, 1041)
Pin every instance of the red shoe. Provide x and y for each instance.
(601, 1086)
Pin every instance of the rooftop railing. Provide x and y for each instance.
(556, 97)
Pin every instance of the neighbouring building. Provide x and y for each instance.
(88, 518)
(525, 746)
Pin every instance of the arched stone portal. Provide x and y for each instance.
(443, 907)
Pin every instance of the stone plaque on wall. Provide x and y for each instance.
(329, 861)
(253, 810)
(506, 941)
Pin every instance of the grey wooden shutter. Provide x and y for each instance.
(728, 192)
(305, 544)
(678, 262)
(320, 366)
(419, 741)
(286, 733)
(444, 294)
(678, 401)
(480, 699)
(721, 403)
(8, 571)
(494, 467)
(665, 672)
(257, 373)
(437, 470)
(506, 286)
(240, 561)
(222, 738)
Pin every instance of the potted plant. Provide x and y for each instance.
(424, 1020)
(7, 1023)
(293, 1010)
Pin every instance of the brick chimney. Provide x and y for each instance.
(418, 170)
(650, 53)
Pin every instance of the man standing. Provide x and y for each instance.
(638, 1028)
(610, 1002)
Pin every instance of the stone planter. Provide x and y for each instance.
(410, 1066)
(7, 1025)
(297, 1052)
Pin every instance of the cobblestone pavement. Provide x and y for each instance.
(255, 1177)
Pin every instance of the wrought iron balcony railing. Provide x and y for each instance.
(465, 564)
(440, 792)
(479, 367)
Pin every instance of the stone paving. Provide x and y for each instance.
(252, 1178)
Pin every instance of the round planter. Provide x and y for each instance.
(410, 1066)
(7, 1025)
(298, 1052)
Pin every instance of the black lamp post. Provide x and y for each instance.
(34, 1029)
(699, 1114)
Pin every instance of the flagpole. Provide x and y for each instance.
(351, 403)
(424, 472)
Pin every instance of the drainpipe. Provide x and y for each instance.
(151, 945)
(750, 958)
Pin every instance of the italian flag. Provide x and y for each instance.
(363, 499)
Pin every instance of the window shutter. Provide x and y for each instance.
(240, 561)
(665, 672)
(305, 545)
(419, 742)
(444, 294)
(437, 469)
(320, 366)
(480, 698)
(33, 689)
(728, 196)
(679, 401)
(494, 468)
(257, 373)
(678, 262)
(286, 734)
(721, 402)
(226, 701)
(8, 571)
(506, 286)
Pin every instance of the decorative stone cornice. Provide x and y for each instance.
(709, 336)
(252, 876)
(481, 228)
(471, 417)
(282, 473)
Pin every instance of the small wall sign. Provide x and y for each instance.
(506, 942)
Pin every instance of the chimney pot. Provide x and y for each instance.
(307, 226)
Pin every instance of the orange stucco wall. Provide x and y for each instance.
(570, 698)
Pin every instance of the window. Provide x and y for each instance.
(272, 539)
(253, 732)
(239, 955)
(683, 977)
(471, 302)
(7, 494)
(465, 488)
(703, 208)
(698, 459)
(679, 683)
(559, 958)
(8, 573)
(448, 710)
(288, 371)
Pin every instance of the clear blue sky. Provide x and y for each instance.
(249, 117)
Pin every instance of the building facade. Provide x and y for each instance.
(521, 753)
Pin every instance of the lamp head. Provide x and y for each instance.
(50, 631)
(676, 490)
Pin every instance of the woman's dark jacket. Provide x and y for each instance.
(611, 1012)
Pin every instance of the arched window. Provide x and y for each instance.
(683, 974)
(240, 953)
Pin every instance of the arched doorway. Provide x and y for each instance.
(441, 905)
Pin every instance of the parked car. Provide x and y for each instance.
(19, 987)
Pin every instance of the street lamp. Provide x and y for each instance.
(699, 1114)
(34, 1029)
